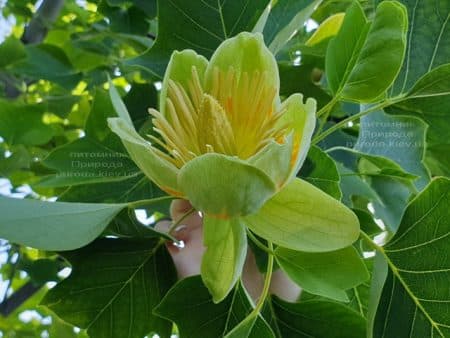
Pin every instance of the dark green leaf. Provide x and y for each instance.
(429, 100)
(315, 318)
(11, 50)
(200, 25)
(284, 19)
(134, 188)
(428, 41)
(48, 62)
(182, 303)
(320, 170)
(113, 288)
(416, 292)
(23, 124)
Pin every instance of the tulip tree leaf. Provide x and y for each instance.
(284, 20)
(326, 274)
(320, 170)
(11, 50)
(134, 188)
(226, 248)
(54, 225)
(291, 219)
(401, 139)
(113, 288)
(201, 25)
(215, 319)
(428, 41)
(429, 100)
(328, 28)
(364, 58)
(314, 318)
(45, 61)
(359, 295)
(97, 157)
(22, 124)
(416, 291)
(380, 179)
(88, 161)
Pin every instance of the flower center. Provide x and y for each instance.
(235, 118)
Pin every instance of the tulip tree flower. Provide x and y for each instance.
(226, 143)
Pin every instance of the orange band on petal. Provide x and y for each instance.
(172, 192)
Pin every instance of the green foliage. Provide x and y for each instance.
(411, 258)
(54, 226)
(81, 164)
(326, 274)
(113, 288)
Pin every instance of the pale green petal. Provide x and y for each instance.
(179, 70)
(275, 160)
(302, 217)
(224, 258)
(301, 118)
(157, 169)
(246, 52)
(224, 186)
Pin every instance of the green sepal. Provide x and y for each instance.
(303, 217)
(224, 186)
(157, 169)
(226, 248)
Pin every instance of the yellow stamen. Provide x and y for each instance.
(236, 117)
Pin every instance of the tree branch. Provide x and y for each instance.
(34, 33)
(46, 15)
(18, 298)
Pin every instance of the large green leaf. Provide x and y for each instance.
(53, 225)
(284, 19)
(353, 185)
(134, 188)
(429, 100)
(11, 50)
(182, 303)
(428, 41)
(291, 219)
(382, 181)
(314, 318)
(97, 157)
(416, 292)
(428, 49)
(200, 25)
(23, 124)
(88, 161)
(320, 170)
(401, 139)
(45, 61)
(224, 258)
(326, 274)
(364, 58)
(113, 288)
